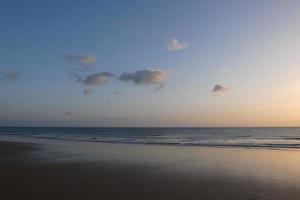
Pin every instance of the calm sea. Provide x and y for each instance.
(218, 137)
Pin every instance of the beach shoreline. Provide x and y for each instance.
(69, 170)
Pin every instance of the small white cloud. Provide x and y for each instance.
(146, 77)
(97, 78)
(175, 45)
(81, 60)
(220, 88)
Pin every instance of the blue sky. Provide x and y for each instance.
(249, 49)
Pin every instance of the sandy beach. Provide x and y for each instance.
(74, 170)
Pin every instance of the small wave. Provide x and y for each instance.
(178, 143)
(269, 138)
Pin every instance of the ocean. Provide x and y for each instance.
(214, 137)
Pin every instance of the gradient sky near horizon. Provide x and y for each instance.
(149, 63)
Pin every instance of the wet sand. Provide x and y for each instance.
(34, 171)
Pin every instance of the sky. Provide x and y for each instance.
(149, 63)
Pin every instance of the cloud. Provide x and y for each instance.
(79, 72)
(9, 75)
(68, 113)
(87, 91)
(174, 45)
(81, 60)
(220, 88)
(146, 77)
(77, 75)
(94, 80)
(97, 78)
(117, 92)
(83, 64)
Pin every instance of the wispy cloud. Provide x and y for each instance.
(224, 69)
(68, 113)
(220, 88)
(117, 92)
(80, 60)
(9, 75)
(81, 65)
(87, 91)
(146, 77)
(175, 45)
(77, 75)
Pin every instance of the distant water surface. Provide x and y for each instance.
(216, 137)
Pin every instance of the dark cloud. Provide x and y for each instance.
(117, 92)
(77, 75)
(68, 113)
(97, 78)
(9, 75)
(220, 88)
(94, 80)
(146, 77)
(79, 72)
(80, 60)
(87, 91)
(82, 64)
